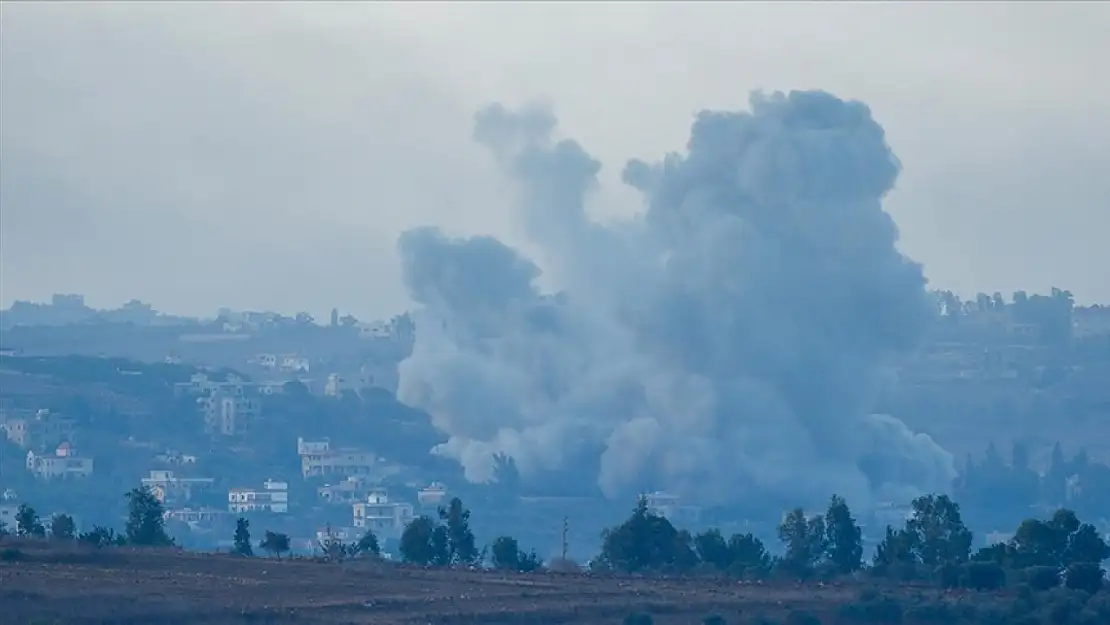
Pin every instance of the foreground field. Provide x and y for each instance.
(45, 584)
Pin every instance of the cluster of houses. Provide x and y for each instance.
(46, 437)
(350, 477)
(346, 477)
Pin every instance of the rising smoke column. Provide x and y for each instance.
(731, 339)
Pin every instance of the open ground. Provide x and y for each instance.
(46, 583)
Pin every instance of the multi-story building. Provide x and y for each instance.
(320, 459)
(172, 490)
(273, 497)
(382, 516)
(435, 494)
(198, 517)
(64, 463)
(230, 411)
(350, 490)
(43, 430)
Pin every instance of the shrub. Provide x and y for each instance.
(983, 576)
(1042, 578)
(11, 555)
(948, 575)
(1085, 576)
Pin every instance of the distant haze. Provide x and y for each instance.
(268, 156)
(730, 341)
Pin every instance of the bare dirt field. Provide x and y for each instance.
(43, 583)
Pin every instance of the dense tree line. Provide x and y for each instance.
(1055, 564)
(145, 526)
(1003, 487)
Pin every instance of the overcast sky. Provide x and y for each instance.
(266, 156)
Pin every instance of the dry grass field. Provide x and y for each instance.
(43, 583)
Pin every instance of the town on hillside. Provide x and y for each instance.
(294, 423)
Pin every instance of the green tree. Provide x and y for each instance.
(460, 540)
(896, 549)
(27, 522)
(243, 538)
(3, 529)
(506, 555)
(646, 542)
(146, 525)
(100, 536)
(1086, 576)
(62, 527)
(748, 557)
(417, 542)
(1058, 542)
(805, 542)
(937, 531)
(983, 576)
(368, 544)
(843, 537)
(441, 546)
(1043, 543)
(712, 549)
(530, 561)
(1086, 546)
(275, 543)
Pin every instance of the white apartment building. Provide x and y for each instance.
(64, 463)
(350, 490)
(434, 495)
(383, 517)
(320, 459)
(273, 497)
(230, 412)
(172, 490)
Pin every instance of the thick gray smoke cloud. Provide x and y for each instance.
(732, 339)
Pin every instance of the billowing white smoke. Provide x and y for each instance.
(731, 340)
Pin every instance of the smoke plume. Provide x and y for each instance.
(729, 340)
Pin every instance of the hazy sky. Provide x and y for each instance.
(266, 156)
